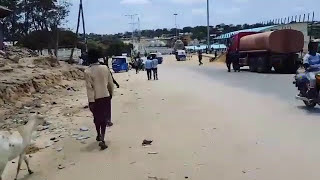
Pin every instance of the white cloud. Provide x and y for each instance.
(241, 1)
(189, 1)
(233, 11)
(135, 2)
(199, 12)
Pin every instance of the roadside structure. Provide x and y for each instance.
(299, 26)
(4, 12)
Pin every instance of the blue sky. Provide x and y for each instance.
(108, 16)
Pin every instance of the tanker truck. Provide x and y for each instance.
(262, 51)
(179, 48)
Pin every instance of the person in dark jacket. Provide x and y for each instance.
(107, 64)
(228, 61)
(200, 57)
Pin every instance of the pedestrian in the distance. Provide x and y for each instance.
(107, 64)
(100, 89)
(155, 63)
(148, 66)
(200, 57)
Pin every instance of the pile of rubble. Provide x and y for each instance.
(19, 52)
(13, 54)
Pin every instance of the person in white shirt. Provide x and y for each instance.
(155, 63)
(149, 66)
(311, 62)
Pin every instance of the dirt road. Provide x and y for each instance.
(201, 128)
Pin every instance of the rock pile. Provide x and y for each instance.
(18, 52)
(10, 91)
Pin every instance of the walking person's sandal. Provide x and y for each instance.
(103, 145)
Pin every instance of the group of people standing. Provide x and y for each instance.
(151, 66)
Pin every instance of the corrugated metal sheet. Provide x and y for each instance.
(228, 35)
(203, 47)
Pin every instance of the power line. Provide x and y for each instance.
(133, 23)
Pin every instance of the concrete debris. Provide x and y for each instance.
(61, 166)
(31, 66)
(84, 129)
(6, 70)
(153, 153)
(82, 137)
(14, 58)
(146, 142)
(42, 128)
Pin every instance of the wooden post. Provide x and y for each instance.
(312, 16)
(300, 18)
(84, 29)
(77, 32)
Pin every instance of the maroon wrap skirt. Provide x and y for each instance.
(102, 111)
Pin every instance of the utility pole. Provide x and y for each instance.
(208, 24)
(132, 16)
(80, 15)
(175, 23)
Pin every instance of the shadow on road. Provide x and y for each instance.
(272, 72)
(310, 110)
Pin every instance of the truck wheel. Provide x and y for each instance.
(252, 65)
(262, 65)
(310, 104)
(292, 68)
(278, 69)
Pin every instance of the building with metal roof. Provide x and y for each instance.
(230, 34)
(203, 47)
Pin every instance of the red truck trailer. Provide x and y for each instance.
(262, 51)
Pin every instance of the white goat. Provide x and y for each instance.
(13, 146)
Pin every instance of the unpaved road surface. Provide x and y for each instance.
(202, 129)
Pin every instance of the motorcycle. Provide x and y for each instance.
(308, 94)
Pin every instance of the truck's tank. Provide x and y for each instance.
(178, 45)
(279, 41)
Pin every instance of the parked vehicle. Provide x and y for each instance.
(158, 56)
(181, 55)
(310, 96)
(119, 64)
(262, 51)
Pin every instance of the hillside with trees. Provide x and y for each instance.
(198, 32)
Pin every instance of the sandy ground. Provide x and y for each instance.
(199, 131)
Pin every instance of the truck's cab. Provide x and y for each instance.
(233, 54)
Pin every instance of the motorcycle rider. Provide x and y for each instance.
(311, 62)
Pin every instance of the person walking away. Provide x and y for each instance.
(100, 89)
(155, 63)
(106, 62)
(136, 66)
(228, 61)
(148, 67)
(200, 57)
(140, 63)
(236, 63)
